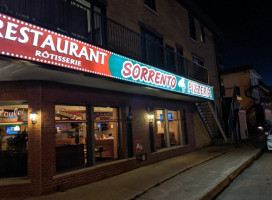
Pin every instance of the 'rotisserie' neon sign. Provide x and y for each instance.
(26, 41)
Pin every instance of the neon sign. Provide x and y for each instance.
(14, 113)
(22, 40)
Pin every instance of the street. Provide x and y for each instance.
(254, 183)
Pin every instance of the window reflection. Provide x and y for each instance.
(105, 133)
(70, 124)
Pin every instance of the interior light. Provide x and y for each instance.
(17, 128)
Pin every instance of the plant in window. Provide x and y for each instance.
(18, 142)
(1, 137)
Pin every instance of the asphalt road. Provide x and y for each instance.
(254, 183)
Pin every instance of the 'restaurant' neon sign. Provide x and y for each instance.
(30, 42)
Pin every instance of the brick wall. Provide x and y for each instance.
(42, 97)
(170, 20)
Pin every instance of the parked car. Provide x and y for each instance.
(269, 139)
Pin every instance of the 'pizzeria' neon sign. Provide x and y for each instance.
(30, 42)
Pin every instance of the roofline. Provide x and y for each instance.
(197, 12)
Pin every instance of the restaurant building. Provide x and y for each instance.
(91, 89)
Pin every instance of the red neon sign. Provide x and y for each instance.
(26, 41)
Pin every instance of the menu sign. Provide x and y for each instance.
(30, 42)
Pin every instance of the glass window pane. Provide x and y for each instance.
(106, 133)
(173, 127)
(13, 140)
(159, 129)
(71, 133)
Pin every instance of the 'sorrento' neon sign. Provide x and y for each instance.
(30, 42)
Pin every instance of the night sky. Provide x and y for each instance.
(247, 30)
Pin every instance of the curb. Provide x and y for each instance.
(180, 172)
(224, 183)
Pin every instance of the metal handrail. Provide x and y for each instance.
(106, 33)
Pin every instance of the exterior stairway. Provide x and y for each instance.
(212, 121)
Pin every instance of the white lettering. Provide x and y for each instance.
(25, 36)
(93, 56)
(1, 26)
(15, 113)
(65, 49)
(48, 42)
(45, 54)
(102, 57)
(36, 37)
(10, 31)
(38, 53)
(73, 49)
(84, 53)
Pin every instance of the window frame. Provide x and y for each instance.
(180, 131)
(202, 34)
(154, 40)
(170, 62)
(150, 4)
(192, 27)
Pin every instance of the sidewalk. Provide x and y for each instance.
(199, 175)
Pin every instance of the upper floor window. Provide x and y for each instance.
(80, 18)
(202, 36)
(170, 58)
(198, 71)
(198, 60)
(151, 4)
(192, 27)
(181, 62)
(152, 48)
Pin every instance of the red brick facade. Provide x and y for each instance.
(43, 96)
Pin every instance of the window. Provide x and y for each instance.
(202, 36)
(170, 58)
(192, 27)
(167, 131)
(172, 116)
(198, 60)
(13, 140)
(80, 18)
(151, 4)
(199, 72)
(181, 62)
(160, 136)
(106, 133)
(152, 48)
(70, 122)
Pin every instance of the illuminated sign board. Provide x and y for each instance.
(22, 40)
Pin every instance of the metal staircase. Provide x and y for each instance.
(212, 120)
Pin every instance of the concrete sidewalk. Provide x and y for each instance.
(197, 175)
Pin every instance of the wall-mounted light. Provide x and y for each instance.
(151, 116)
(33, 117)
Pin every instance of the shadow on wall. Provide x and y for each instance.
(203, 138)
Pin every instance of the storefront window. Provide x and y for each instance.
(70, 122)
(159, 129)
(106, 133)
(167, 132)
(173, 127)
(13, 140)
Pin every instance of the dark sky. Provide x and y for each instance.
(247, 29)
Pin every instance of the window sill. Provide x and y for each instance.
(150, 9)
(194, 40)
(87, 169)
(13, 181)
